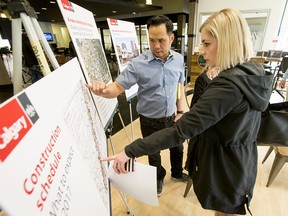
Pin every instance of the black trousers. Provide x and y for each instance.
(149, 126)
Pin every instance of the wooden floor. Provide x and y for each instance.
(271, 201)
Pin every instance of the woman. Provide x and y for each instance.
(226, 118)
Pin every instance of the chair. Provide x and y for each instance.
(281, 157)
(260, 60)
(188, 186)
(278, 73)
(280, 70)
(60, 59)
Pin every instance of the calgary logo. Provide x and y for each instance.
(114, 22)
(31, 112)
(17, 117)
(67, 5)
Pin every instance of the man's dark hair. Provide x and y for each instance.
(161, 19)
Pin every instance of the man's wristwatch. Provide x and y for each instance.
(180, 112)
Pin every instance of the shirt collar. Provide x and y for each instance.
(151, 56)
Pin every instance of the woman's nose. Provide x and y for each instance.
(201, 50)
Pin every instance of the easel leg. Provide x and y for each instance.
(123, 196)
(131, 119)
(124, 127)
(17, 55)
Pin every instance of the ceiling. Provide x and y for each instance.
(100, 8)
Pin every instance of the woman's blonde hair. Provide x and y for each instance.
(231, 31)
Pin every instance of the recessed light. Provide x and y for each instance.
(52, 2)
(44, 8)
(114, 11)
(148, 2)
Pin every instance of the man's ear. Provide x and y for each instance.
(172, 36)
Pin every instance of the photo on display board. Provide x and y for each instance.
(94, 59)
(127, 49)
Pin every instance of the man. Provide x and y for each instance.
(159, 73)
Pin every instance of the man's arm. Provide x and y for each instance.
(284, 79)
(111, 90)
(180, 103)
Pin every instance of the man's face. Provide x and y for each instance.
(208, 48)
(160, 41)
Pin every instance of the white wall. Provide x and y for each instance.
(62, 40)
(66, 36)
(60, 33)
(284, 32)
(46, 27)
(276, 8)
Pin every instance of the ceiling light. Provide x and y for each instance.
(44, 8)
(114, 11)
(52, 2)
(148, 2)
(2, 15)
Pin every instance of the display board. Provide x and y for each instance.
(126, 46)
(86, 40)
(51, 139)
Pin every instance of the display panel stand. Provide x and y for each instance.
(109, 130)
(131, 119)
(22, 12)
